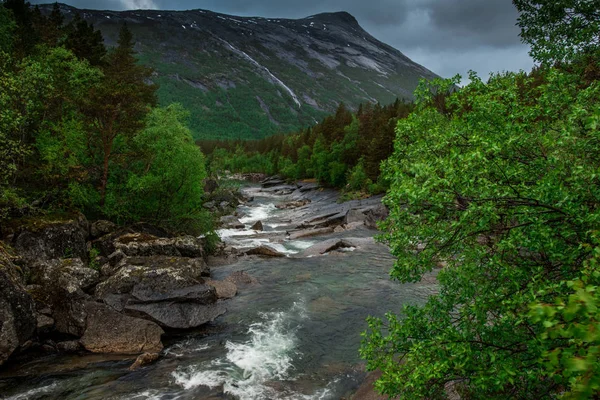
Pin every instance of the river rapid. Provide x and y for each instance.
(294, 335)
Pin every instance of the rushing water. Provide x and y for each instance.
(295, 335)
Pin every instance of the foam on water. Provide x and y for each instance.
(249, 366)
(34, 392)
(227, 233)
(258, 213)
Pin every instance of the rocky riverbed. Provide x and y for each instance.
(276, 313)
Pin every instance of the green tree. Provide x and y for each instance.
(557, 30)
(85, 42)
(119, 105)
(165, 185)
(503, 193)
(7, 28)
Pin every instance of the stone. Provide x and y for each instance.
(366, 391)
(17, 310)
(160, 273)
(177, 315)
(258, 226)
(231, 222)
(224, 289)
(354, 216)
(241, 279)
(375, 215)
(101, 228)
(52, 237)
(72, 346)
(69, 274)
(210, 185)
(108, 331)
(44, 324)
(310, 232)
(143, 360)
(264, 250)
(210, 205)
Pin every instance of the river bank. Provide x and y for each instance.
(306, 278)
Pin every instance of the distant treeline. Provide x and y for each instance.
(345, 150)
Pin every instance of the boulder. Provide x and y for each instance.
(210, 205)
(17, 310)
(44, 324)
(258, 226)
(264, 250)
(108, 331)
(231, 222)
(143, 360)
(159, 273)
(71, 346)
(101, 228)
(375, 215)
(210, 185)
(165, 290)
(143, 245)
(241, 279)
(354, 216)
(223, 289)
(179, 313)
(52, 237)
(106, 244)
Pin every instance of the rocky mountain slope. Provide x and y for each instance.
(244, 77)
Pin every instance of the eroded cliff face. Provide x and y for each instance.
(249, 77)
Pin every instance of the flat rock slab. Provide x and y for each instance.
(183, 315)
(310, 232)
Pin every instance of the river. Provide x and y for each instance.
(294, 335)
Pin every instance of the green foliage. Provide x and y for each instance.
(7, 27)
(558, 30)
(571, 339)
(93, 255)
(358, 179)
(500, 186)
(329, 152)
(72, 128)
(165, 185)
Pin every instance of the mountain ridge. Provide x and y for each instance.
(249, 77)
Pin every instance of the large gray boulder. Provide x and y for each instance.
(60, 286)
(108, 331)
(52, 237)
(67, 275)
(17, 310)
(185, 308)
(167, 290)
(160, 273)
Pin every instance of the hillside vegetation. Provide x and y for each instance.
(251, 77)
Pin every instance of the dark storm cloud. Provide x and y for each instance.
(446, 36)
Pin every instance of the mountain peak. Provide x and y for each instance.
(249, 77)
(335, 17)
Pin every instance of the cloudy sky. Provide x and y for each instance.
(446, 36)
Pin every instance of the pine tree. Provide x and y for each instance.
(119, 105)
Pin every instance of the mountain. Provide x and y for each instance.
(244, 77)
